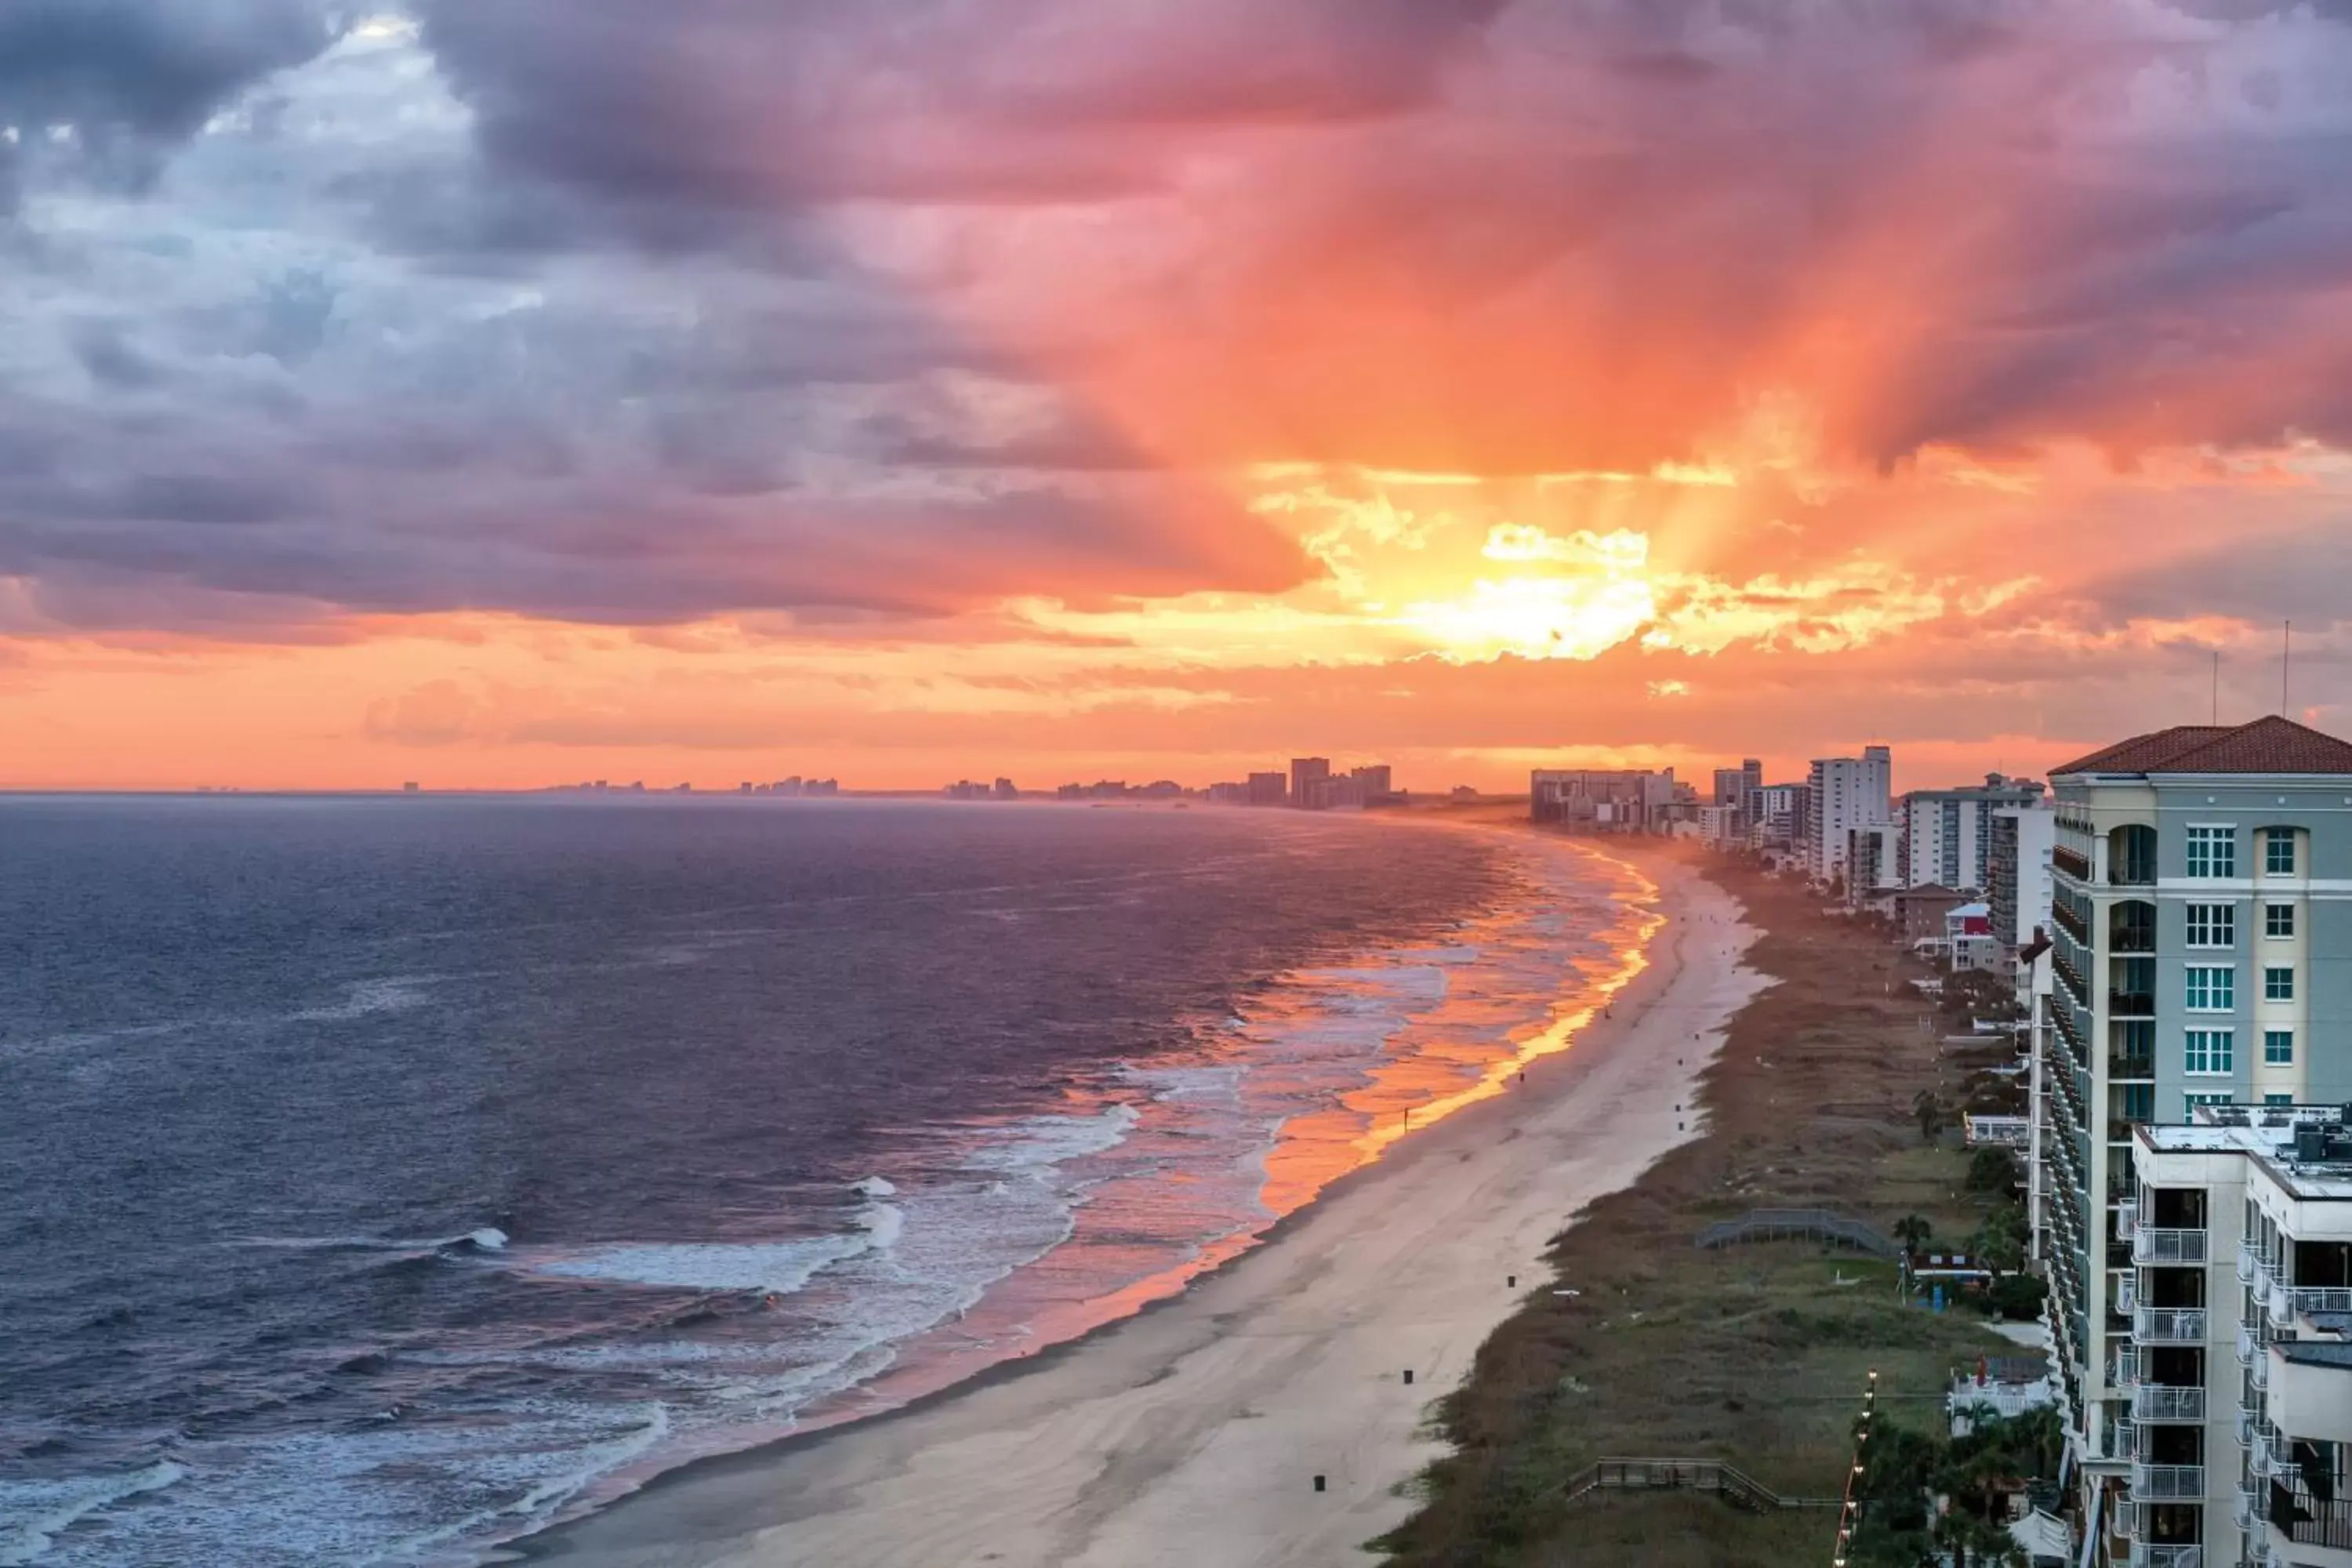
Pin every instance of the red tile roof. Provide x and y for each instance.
(2268, 746)
(2142, 752)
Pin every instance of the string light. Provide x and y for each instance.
(1849, 1510)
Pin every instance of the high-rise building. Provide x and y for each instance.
(1872, 862)
(2239, 1374)
(1846, 792)
(1266, 789)
(1374, 777)
(1306, 773)
(2200, 954)
(1947, 833)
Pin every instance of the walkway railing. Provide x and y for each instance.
(1805, 1224)
(1734, 1485)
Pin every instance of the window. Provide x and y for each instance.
(2211, 990)
(2278, 984)
(2278, 920)
(2212, 851)
(2191, 1101)
(2209, 1051)
(2212, 925)
(2278, 1099)
(2278, 852)
(2278, 1047)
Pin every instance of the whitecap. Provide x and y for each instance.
(874, 1187)
(75, 1501)
(772, 1268)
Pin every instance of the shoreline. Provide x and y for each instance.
(1189, 1429)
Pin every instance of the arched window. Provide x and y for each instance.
(2131, 854)
(2131, 927)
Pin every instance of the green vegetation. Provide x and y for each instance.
(1905, 1471)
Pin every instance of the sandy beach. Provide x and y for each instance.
(1194, 1433)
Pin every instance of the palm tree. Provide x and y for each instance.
(1929, 1109)
(1913, 1231)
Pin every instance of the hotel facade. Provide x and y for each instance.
(2240, 1371)
(2202, 955)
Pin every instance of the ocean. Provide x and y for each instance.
(384, 1178)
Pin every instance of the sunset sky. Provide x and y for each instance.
(500, 392)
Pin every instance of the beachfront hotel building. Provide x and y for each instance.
(1947, 834)
(2239, 1372)
(1844, 794)
(2201, 954)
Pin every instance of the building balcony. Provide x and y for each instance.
(2250, 1345)
(2314, 1300)
(2072, 863)
(2316, 1530)
(2166, 1554)
(2127, 1218)
(2124, 1070)
(2247, 1424)
(2170, 1326)
(2272, 1457)
(2257, 1371)
(2167, 1247)
(2130, 938)
(2246, 1265)
(2167, 1483)
(2131, 1004)
(2246, 1511)
(2166, 1402)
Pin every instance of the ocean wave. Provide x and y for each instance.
(769, 1267)
(389, 993)
(63, 1504)
(547, 1495)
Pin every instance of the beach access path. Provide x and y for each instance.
(1193, 1433)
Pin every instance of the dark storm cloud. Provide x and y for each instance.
(132, 77)
(664, 104)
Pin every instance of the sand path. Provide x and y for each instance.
(1192, 1433)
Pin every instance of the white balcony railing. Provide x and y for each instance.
(2164, 1402)
(2279, 1450)
(2126, 1294)
(2257, 1371)
(2127, 1219)
(2278, 1304)
(2169, 1325)
(2247, 1510)
(2166, 1246)
(2310, 1300)
(2245, 1262)
(2166, 1554)
(2158, 1483)
(2250, 1345)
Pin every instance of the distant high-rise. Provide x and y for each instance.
(1374, 777)
(1267, 789)
(1947, 833)
(1846, 792)
(1306, 773)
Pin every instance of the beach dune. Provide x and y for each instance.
(1195, 1432)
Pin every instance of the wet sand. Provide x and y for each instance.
(1193, 1433)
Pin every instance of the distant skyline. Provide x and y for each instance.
(492, 395)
